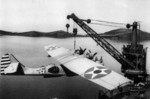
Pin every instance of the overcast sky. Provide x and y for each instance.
(50, 15)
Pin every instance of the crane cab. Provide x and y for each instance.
(136, 54)
(138, 57)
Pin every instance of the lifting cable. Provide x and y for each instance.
(75, 30)
(108, 23)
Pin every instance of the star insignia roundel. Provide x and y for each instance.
(96, 72)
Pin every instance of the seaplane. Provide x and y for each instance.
(71, 64)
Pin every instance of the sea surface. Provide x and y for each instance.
(30, 52)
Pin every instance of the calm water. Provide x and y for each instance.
(30, 51)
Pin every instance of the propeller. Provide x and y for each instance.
(90, 51)
(94, 54)
(99, 60)
(96, 59)
(90, 55)
(80, 51)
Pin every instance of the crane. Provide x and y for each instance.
(128, 67)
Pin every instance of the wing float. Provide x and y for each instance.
(11, 66)
(107, 79)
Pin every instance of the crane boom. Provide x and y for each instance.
(101, 41)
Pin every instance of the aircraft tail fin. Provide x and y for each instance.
(10, 66)
(5, 62)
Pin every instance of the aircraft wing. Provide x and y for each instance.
(11, 66)
(88, 69)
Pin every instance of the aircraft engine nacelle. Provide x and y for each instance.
(53, 69)
(148, 61)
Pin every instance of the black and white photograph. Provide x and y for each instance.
(74, 49)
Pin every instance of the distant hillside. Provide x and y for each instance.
(56, 34)
(118, 34)
(125, 34)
